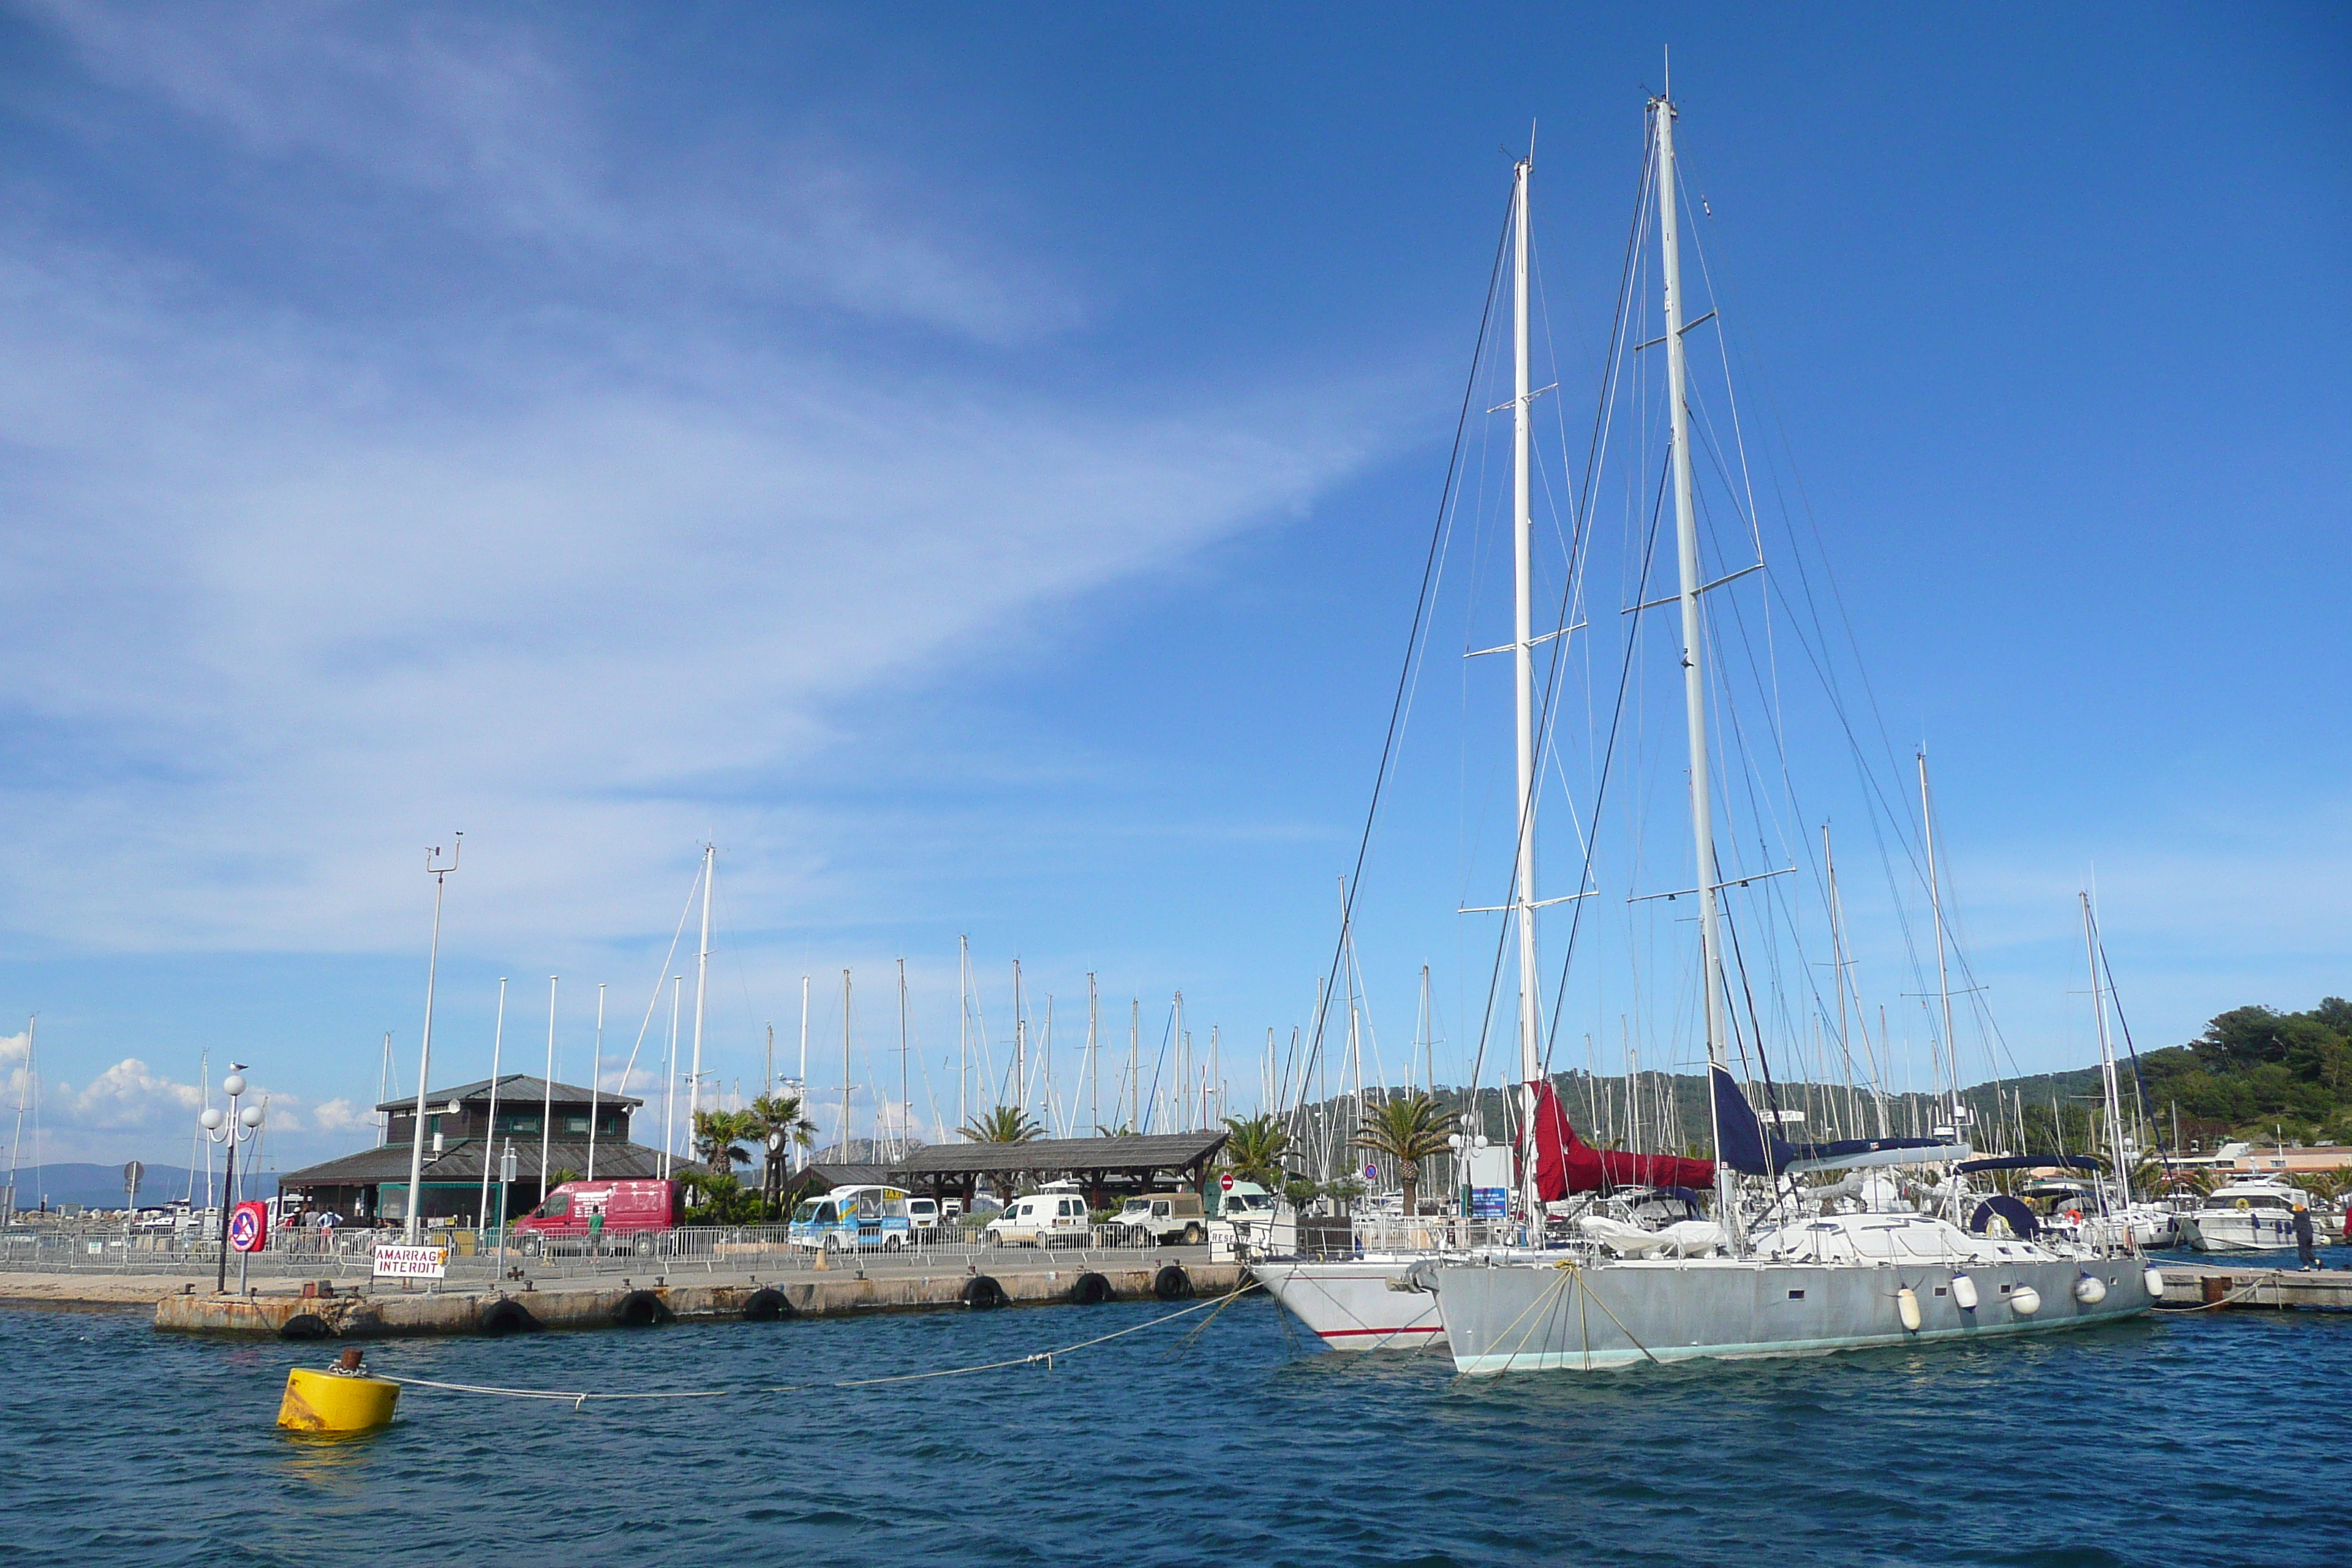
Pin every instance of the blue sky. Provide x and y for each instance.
(975, 465)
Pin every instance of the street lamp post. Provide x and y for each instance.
(232, 1128)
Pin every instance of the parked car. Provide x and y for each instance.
(923, 1214)
(604, 1215)
(853, 1218)
(1044, 1219)
(1155, 1219)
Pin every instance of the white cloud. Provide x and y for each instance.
(341, 1115)
(290, 594)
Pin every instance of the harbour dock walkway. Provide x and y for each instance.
(283, 1311)
(2221, 1287)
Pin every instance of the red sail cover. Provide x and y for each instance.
(1565, 1164)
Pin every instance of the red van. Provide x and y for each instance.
(572, 1211)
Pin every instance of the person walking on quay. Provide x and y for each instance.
(2304, 1247)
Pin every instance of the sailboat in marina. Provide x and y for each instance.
(1780, 1276)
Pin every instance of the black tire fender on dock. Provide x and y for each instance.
(306, 1326)
(1172, 1283)
(983, 1290)
(1090, 1291)
(641, 1310)
(768, 1305)
(508, 1317)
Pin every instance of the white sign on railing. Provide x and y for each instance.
(411, 1263)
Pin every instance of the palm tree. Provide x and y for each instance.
(718, 1136)
(771, 1114)
(1408, 1130)
(1003, 1124)
(1255, 1147)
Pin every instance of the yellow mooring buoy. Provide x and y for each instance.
(342, 1400)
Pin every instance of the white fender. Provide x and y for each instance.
(2090, 1290)
(1964, 1292)
(2156, 1284)
(1907, 1306)
(2025, 1300)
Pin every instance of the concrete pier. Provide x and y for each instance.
(633, 1302)
(2223, 1288)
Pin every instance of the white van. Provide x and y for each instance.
(1044, 1219)
(923, 1214)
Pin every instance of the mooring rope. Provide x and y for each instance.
(577, 1399)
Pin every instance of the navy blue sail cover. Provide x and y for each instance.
(2022, 1222)
(2029, 1163)
(1746, 1147)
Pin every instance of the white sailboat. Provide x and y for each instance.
(1808, 1284)
(1360, 1302)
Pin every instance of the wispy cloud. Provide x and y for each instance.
(571, 537)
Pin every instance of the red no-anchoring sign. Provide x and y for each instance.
(248, 1226)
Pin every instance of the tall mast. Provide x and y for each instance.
(1943, 976)
(1523, 865)
(595, 1071)
(846, 1156)
(906, 1106)
(1135, 1065)
(701, 987)
(1094, 1053)
(2107, 1053)
(963, 1031)
(1020, 1041)
(490, 1117)
(1702, 799)
(547, 1093)
(1837, 973)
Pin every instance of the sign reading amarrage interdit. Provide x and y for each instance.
(411, 1263)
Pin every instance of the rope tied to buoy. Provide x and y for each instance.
(578, 1399)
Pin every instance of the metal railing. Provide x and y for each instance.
(349, 1253)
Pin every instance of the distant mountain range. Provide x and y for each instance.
(101, 1186)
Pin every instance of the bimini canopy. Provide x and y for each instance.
(2029, 1163)
(1565, 1164)
(1745, 1146)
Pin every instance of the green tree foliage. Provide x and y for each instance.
(1408, 1129)
(720, 1137)
(2255, 1069)
(1255, 1147)
(1003, 1124)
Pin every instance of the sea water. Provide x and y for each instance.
(2199, 1439)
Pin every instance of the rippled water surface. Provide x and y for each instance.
(2188, 1440)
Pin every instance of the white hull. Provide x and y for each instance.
(1595, 1316)
(1347, 1305)
(2234, 1230)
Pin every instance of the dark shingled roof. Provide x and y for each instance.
(1145, 1153)
(513, 1086)
(462, 1162)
